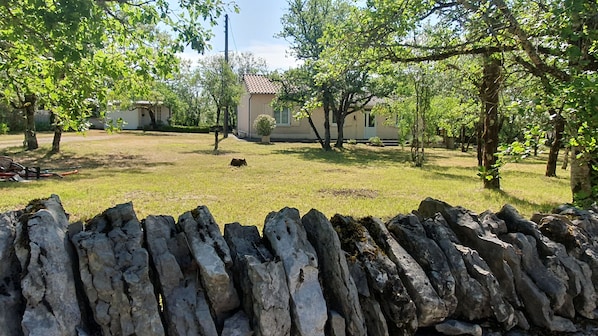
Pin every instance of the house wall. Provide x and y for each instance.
(131, 118)
(139, 118)
(250, 106)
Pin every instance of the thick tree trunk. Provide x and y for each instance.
(152, 116)
(57, 133)
(559, 128)
(490, 98)
(30, 135)
(581, 184)
(340, 125)
(56, 139)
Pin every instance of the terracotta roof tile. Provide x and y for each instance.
(260, 84)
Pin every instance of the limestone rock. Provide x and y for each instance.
(186, 310)
(339, 288)
(47, 279)
(578, 276)
(385, 285)
(430, 307)
(336, 324)
(11, 311)
(473, 299)
(454, 327)
(411, 234)
(372, 312)
(237, 325)
(262, 281)
(499, 256)
(546, 281)
(479, 270)
(114, 270)
(212, 254)
(573, 234)
(289, 242)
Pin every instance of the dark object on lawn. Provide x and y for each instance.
(13, 171)
(238, 162)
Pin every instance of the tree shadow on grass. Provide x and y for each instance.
(100, 163)
(440, 172)
(349, 156)
(519, 203)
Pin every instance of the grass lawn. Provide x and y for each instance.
(170, 173)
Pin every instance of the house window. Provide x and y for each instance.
(283, 116)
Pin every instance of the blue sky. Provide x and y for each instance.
(253, 29)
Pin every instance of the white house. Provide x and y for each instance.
(139, 114)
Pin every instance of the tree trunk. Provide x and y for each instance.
(566, 158)
(216, 130)
(57, 133)
(313, 127)
(326, 127)
(30, 135)
(226, 121)
(489, 92)
(478, 134)
(581, 184)
(340, 125)
(152, 116)
(553, 155)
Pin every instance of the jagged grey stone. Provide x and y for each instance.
(430, 307)
(479, 270)
(473, 299)
(47, 280)
(186, 310)
(454, 327)
(237, 325)
(577, 273)
(546, 281)
(114, 270)
(372, 312)
(336, 324)
(411, 234)
(573, 234)
(339, 288)
(537, 306)
(11, 310)
(262, 279)
(499, 255)
(288, 239)
(383, 278)
(212, 255)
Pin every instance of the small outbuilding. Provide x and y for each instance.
(140, 114)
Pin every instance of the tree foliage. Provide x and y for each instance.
(63, 55)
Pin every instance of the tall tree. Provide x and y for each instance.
(553, 40)
(218, 80)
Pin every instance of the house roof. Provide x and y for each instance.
(260, 84)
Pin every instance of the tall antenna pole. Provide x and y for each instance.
(226, 116)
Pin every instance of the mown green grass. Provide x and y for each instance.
(168, 174)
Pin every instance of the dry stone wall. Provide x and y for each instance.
(438, 270)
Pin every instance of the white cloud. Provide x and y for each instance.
(277, 55)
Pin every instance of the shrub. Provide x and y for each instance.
(4, 128)
(264, 124)
(375, 141)
(352, 142)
